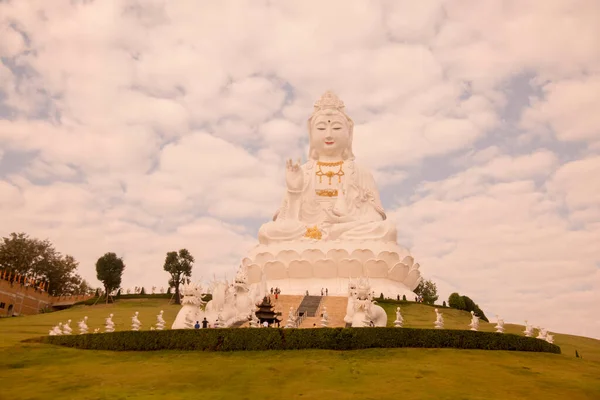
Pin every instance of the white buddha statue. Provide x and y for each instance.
(331, 224)
(330, 197)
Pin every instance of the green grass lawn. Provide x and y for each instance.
(35, 371)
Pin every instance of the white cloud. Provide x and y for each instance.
(575, 183)
(569, 108)
(497, 240)
(150, 126)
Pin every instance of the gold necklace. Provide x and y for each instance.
(330, 174)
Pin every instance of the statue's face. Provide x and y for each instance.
(330, 134)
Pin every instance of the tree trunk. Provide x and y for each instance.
(177, 282)
(106, 293)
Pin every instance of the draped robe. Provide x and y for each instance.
(357, 198)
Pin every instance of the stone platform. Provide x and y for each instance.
(314, 265)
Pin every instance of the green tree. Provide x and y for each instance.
(143, 291)
(179, 265)
(428, 291)
(38, 260)
(456, 301)
(109, 269)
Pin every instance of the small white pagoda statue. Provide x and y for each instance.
(439, 320)
(499, 325)
(160, 321)
(66, 328)
(549, 338)
(541, 333)
(325, 318)
(291, 322)
(399, 320)
(219, 322)
(528, 330)
(474, 322)
(57, 330)
(109, 325)
(83, 328)
(331, 224)
(135, 322)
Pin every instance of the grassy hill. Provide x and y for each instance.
(422, 316)
(32, 371)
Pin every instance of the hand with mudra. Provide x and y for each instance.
(293, 176)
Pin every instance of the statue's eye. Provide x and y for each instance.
(321, 128)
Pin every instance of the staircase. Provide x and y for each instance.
(310, 306)
(238, 324)
(336, 311)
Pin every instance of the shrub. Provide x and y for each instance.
(381, 296)
(143, 291)
(403, 297)
(456, 301)
(291, 339)
(466, 304)
(444, 304)
(118, 294)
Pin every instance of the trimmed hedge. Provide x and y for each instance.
(293, 339)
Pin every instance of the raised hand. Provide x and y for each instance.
(294, 178)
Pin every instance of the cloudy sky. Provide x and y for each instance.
(146, 126)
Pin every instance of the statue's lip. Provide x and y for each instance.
(326, 142)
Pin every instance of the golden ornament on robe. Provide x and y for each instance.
(330, 174)
(326, 192)
(313, 233)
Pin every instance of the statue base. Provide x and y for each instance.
(312, 265)
(336, 287)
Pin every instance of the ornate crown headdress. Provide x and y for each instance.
(329, 101)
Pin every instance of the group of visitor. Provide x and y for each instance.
(326, 292)
(205, 324)
(276, 292)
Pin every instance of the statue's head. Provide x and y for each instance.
(330, 129)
